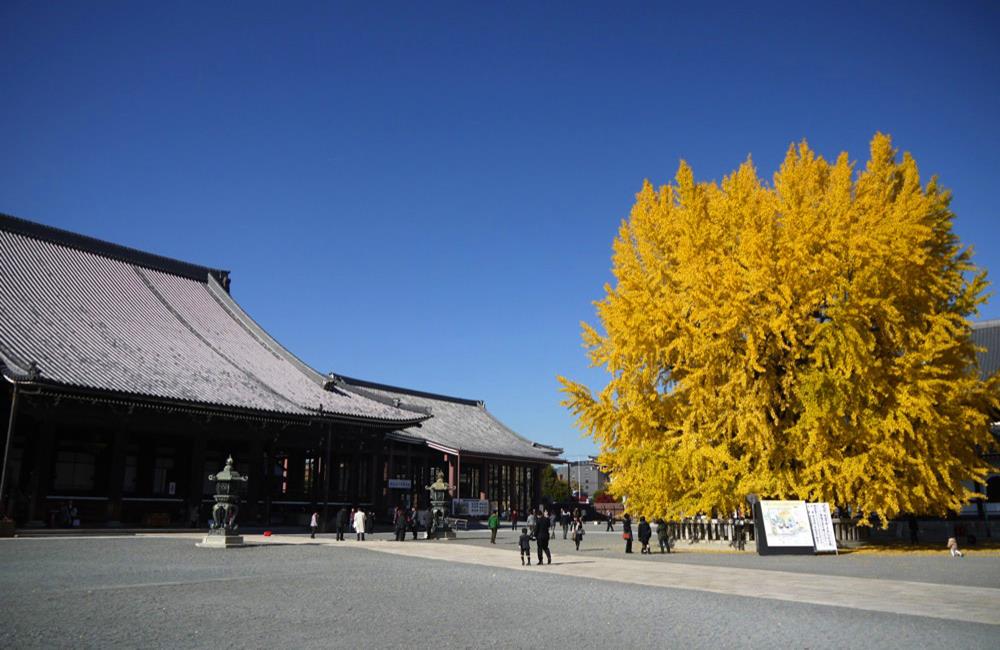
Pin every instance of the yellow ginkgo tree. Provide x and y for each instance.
(806, 340)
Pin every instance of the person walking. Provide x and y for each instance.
(542, 538)
(578, 532)
(400, 524)
(627, 532)
(564, 520)
(359, 524)
(953, 547)
(532, 521)
(513, 519)
(611, 522)
(411, 521)
(369, 522)
(645, 532)
(661, 535)
(313, 525)
(493, 523)
(340, 522)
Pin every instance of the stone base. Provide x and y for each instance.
(443, 534)
(221, 541)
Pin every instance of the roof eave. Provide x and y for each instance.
(155, 401)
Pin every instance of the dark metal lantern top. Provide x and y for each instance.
(227, 476)
(439, 488)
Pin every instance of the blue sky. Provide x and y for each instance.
(425, 194)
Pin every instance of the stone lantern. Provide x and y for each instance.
(439, 500)
(222, 531)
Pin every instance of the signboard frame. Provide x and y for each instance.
(470, 507)
(790, 515)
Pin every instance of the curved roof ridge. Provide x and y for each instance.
(364, 383)
(556, 450)
(108, 249)
(222, 355)
(460, 424)
(246, 321)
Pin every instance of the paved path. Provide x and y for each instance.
(292, 592)
(959, 603)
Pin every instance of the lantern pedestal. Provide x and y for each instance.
(221, 541)
(222, 533)
(439, 528)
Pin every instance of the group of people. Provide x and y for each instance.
(67, 516)
(539, 525)
(361, 523)
(408, 519)
(645, 534)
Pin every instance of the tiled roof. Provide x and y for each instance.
(457, 424)
(96, 316)
(986, 334)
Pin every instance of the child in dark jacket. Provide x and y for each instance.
(525, 543)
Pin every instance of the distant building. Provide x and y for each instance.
(986, 335)
(585, 475)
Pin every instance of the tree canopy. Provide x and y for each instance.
(553, 488)
(805, 340)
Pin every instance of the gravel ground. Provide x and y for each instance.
(971, 571)
(129, 592)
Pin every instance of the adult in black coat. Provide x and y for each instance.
(542, 537)
(400, 524)
(339, 522)
(645, 532)
(627, 532)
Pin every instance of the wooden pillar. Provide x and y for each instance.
(116, 475)
(196, 480)
(536, 489)
(41, 475)
(145, 460)
(268, 478)
(327, 470)
(374, 465)
(255, 462)
(352, 489)
(409, 475)
(390, 473)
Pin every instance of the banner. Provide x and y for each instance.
(470, 507)
(824, 539)
(786, 523)
(399, 484)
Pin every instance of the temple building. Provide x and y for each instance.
(128, 378)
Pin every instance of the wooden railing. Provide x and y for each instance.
(738, 532)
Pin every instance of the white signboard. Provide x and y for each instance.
(399, 484)
(470, 507)
(786, 523)
(822, 527)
